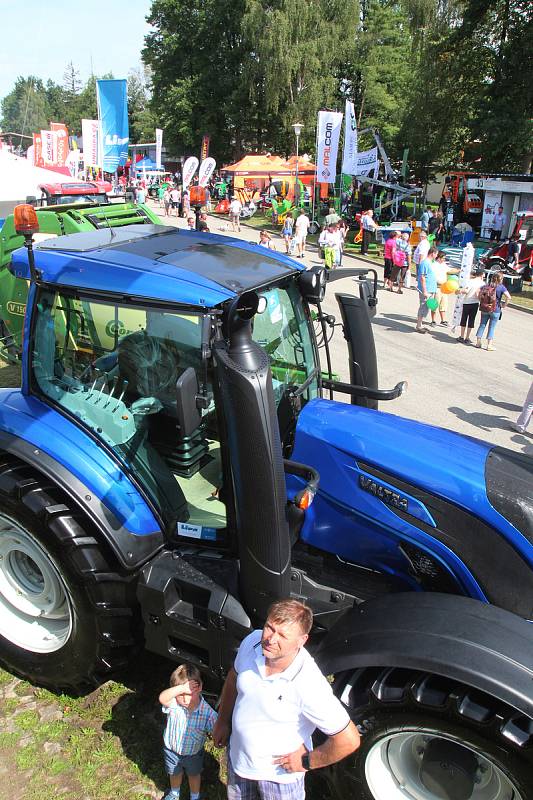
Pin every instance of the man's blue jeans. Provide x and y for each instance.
(492, 318)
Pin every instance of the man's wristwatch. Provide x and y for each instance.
(305, 761)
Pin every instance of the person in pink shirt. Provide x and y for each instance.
(388, 255)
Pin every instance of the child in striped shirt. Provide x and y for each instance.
(189, 721)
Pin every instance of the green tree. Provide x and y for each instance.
(55, 95)
(503, 125)
(71, 81)
(245, 71)
(378, 71)
(195, 55)
(26, 108)
(142, 121)
(294, 51)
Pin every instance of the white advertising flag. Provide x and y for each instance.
(467, 259)
(367, 162)
(189, 168)
(89, 132)
(207, 168)
(49, 140)
(158, 147)
(329, 129)
(349, 156)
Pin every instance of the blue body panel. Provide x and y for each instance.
(203, 270)
(360, 527)
(51, 433)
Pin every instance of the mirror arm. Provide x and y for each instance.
(366, 391)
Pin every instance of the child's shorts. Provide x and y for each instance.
(176, 764)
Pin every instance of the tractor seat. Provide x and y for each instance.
(151, 367)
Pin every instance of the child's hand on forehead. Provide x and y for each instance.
(190, 688)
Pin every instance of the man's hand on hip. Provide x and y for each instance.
(291, 762)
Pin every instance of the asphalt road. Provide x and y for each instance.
(474, 392)
(471, 391)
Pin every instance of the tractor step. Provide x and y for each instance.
(189, 610)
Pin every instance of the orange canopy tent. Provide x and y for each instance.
(259, 170)
(305, 167)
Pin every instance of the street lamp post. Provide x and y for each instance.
(297, 131)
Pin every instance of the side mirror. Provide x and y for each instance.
(189, 417)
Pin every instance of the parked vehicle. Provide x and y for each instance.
(497, 256)
(56, 194)
(185, 468)
(54, 220)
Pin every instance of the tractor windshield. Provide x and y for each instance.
(114, 368)
(283, 330)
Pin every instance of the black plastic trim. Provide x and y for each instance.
(509, 480)
(478, 644)
(361, 347)
(505, 577)
(131, 550)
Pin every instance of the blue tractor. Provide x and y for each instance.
(171, 465)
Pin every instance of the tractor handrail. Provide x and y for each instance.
(366, 391)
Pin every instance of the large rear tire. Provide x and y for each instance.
(66, 617)
(425, 737)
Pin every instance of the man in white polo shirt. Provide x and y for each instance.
(273, 700)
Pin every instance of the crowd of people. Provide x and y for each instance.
(489, 298)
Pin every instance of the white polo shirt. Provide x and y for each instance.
(275, 714)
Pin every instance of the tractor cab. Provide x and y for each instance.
(74, 192)
(136, 367)
(189, 359)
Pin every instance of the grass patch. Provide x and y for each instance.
(27, 721)
(525, 298)
(9, 705)
(8, 740)
(5, 677)
(29, 757)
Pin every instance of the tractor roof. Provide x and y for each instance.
(156, 262)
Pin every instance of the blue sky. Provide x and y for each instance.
(40, 37)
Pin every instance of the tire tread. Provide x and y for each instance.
(109, 592)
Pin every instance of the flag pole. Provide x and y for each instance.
(314, 178)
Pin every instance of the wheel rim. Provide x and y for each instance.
(35, 612)
(393, 765)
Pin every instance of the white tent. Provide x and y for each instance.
(19, 178)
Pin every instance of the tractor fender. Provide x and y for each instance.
(460, 638)
(86, 474)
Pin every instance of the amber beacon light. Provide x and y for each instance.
(26, 222)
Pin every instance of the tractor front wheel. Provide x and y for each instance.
(425, 737)
(65, 619)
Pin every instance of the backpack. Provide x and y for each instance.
(487, 299)
(398, 257)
